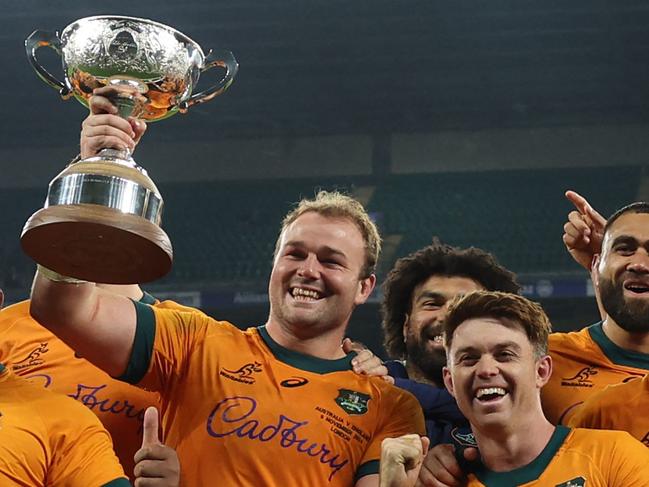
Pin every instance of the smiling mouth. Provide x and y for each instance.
(637, 287)
(305, 295)
(490, 394)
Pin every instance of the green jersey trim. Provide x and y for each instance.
(303, 361)
(147, 298)
(616, 354)
(531, 471)
(118, 483)
(142, 352)
(368, 468)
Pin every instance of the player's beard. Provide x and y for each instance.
(429, 361)
(631, 315)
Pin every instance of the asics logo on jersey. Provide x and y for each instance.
(581, 378)
(33, 358)
(294, 382)
(577, 482)
(243, 374)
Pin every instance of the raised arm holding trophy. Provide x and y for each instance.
(101, 219)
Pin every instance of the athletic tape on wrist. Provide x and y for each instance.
(51, 275)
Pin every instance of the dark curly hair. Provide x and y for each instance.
(435, 259)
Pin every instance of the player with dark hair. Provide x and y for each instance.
(613, 351)
(416, 293)
(617, 348)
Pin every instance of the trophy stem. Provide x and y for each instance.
(119, 156)
(129, 95)
(125, 104)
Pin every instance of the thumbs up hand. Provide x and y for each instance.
(156, 465)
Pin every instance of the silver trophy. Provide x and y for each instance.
(101, 219)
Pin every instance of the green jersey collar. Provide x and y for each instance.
(303, 361)
(531, 471)
(616, 354)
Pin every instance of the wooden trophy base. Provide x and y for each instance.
(97, 244)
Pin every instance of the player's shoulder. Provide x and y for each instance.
(18, 313)
(580, 335)
(48, 404)
(621, 393)
(15, 311)
(172, 311)
(585, 438)
(391, 394)
(569, 341)
(169, 304)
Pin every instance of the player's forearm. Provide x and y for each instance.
(88, 320)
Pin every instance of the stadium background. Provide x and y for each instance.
(464, 120)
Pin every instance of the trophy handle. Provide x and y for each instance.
(38, 39)
(223, 59)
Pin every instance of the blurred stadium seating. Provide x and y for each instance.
(224, 232)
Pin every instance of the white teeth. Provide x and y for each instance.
(490, 390)
(637, 288)
(305, 294)
(438, 338)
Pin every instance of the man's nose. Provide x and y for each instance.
(487, 366)
(309, 267)
(639, 262)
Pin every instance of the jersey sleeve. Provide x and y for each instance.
(164, 340)
(400, 415)
(629, 463)
(82, 450)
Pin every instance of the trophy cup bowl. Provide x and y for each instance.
(101, 218)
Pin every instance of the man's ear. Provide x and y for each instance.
(543, 370)
(404, 329)
(594, 264)
(365, 288)
(448, 380)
